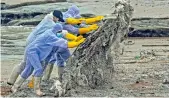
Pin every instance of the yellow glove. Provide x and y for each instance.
(90, 20)
(73, 44)
(93, 20)
(81, 41)
(73, 21)
(31, 83)
(84, 30)
(88, 29)
(72, 37)
(93, 27)
(82, 20)
(79, 38)
(98, 18)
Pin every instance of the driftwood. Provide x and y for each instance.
(91, 65)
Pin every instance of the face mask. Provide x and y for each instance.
(59, 35)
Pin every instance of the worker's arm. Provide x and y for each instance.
(73, 44)
(88, 29)
(83, 30)
(93, 20)
(72, 37)
(65, 34)
(73, 21)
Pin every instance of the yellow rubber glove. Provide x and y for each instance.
(31, 83)
(90, 20)
(84, 30)
(79, 38)
(82, 20)
(93, 27)
(88, 29)
(70, 36)
(98, 18)
(73, 21)
(73, 44)
(93, 20)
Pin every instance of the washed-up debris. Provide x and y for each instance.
(137, 57)
(147, 54)
(97, 53)
(160, 32)
(129, 43)
(166, 82)
(140, 85)
(5, 90)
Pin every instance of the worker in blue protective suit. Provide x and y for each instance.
(56, 59)
(71, 21)
(72, 16)
(73, 12)
(77, 24)
(47, 23)
(41, 49)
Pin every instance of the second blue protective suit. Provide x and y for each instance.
(44, 46)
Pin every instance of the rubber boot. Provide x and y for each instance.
(59, 91)
(31, 83)
(60, 73)
(17, 84)
(48, 72)
(37, 86)
(12, 78)
(15, 73)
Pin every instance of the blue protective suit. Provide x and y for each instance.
(45, 24)
(70, 28)
(42, 49)
(73, 12)
(48, 23)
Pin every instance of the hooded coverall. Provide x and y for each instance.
(42, 49)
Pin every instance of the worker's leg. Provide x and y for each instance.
(31, 83)
(61, 56)
(37, 86)
(38, 72)
(17, 84)
(24, 75)
(49, 68)
(60, 66)
(57, 87)
(16, 71)
(48, 71)
(37, 75)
